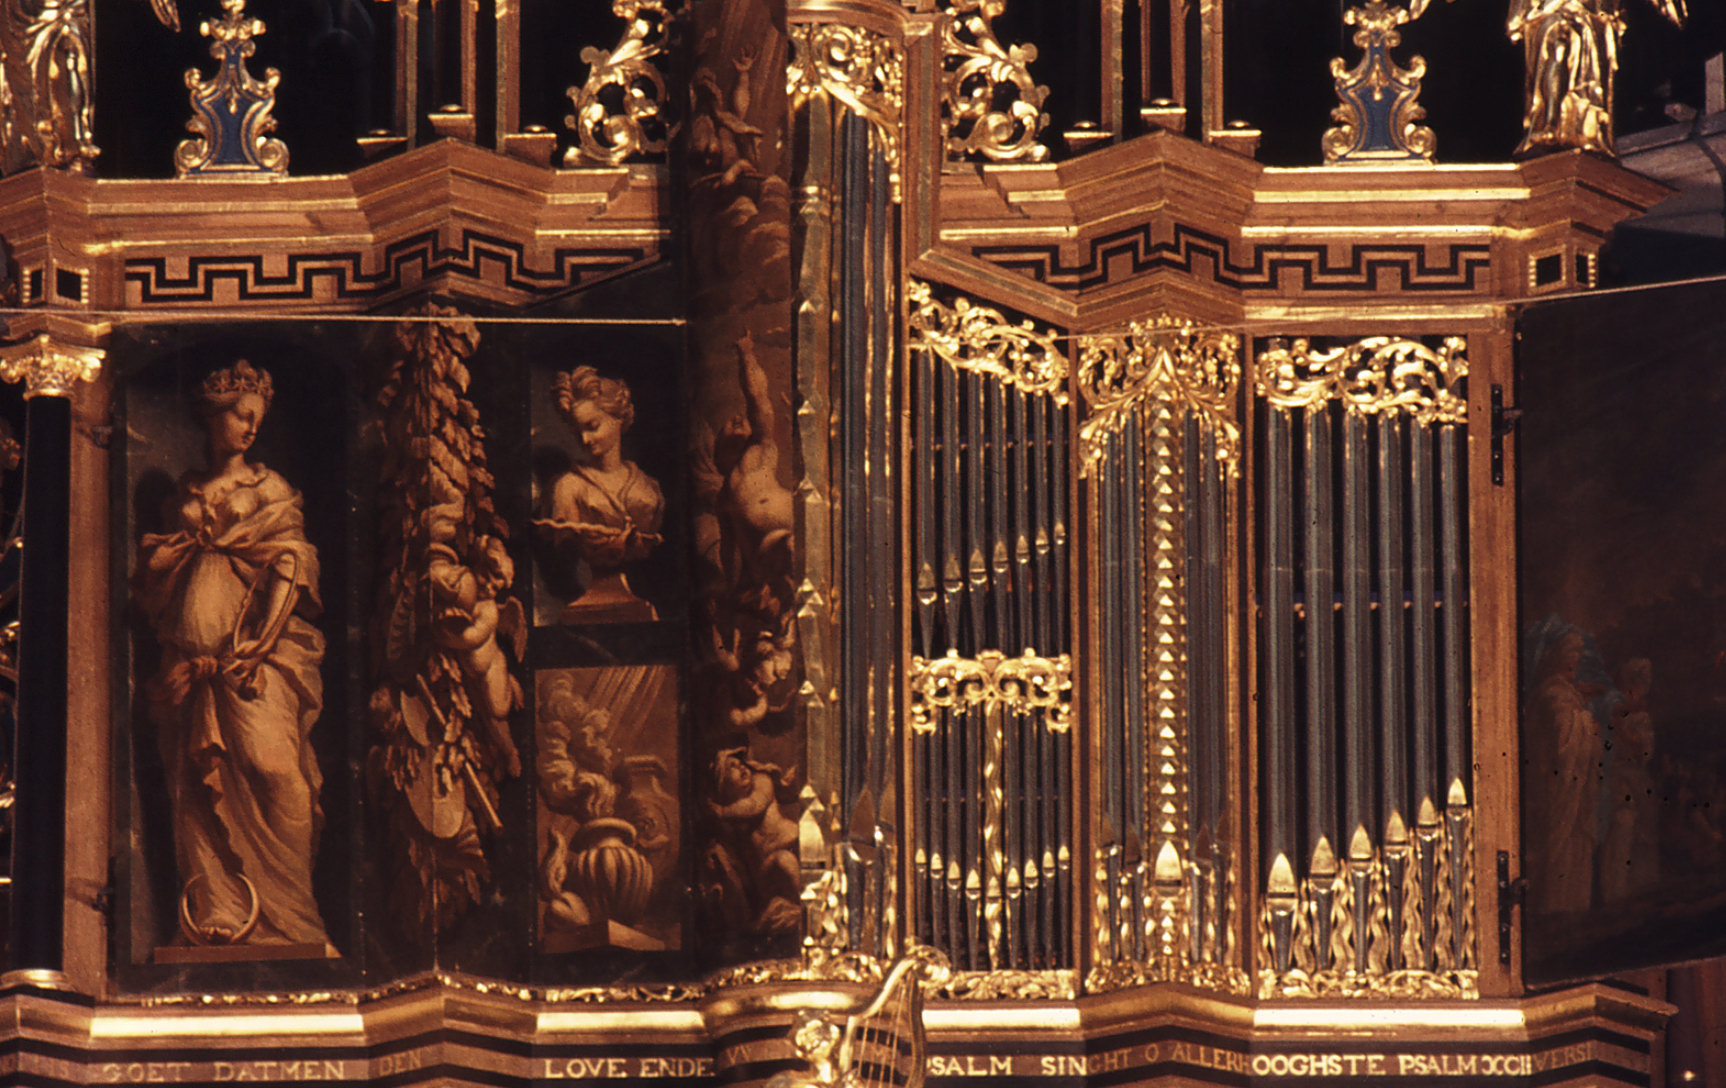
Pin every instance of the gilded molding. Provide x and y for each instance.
(1380, 111)
(861, 70)
(981, 340)
(1009, 986)
(1379, 374)
(231, 113)
(990, 105)
(1024, 684)
(49, 368)
(620, 109)
(1167, 359)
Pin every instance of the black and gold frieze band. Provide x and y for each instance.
(1364, 267)
(356, 275)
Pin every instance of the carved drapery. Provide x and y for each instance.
(47, 114)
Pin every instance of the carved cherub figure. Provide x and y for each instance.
(816, 1038)
(467, 620)
(763, 829)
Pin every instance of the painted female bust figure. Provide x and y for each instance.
(605, 510)
(227, 589)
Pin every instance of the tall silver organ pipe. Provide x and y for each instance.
(1375, 638)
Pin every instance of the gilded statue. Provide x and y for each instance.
(1570, 49)
(605, 511)
(229, 590)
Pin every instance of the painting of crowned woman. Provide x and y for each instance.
(234, 573)
(1622, 525)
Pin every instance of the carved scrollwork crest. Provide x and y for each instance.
(1376, 375)
(1024, 684)
(620, 111)
(979, 339)
(1170, 360)
(990, 105)
(1380, 114)
(231, 118)
(862, 70)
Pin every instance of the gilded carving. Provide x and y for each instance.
(979, 339)
(1169, 360)
(621, 109)
(446, 625)
(861, 70)
(1380, 113)
(1570, 57)
(229, 591)
(1025, 684)
(48, 367)
(1380, 374)
(46, 107)
(231, 120)
(605, 512)
(990, 105)
(1382, 922)
(1009, 986)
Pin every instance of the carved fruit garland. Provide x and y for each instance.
(443, 696)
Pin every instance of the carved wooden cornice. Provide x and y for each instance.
(1160, 223)
(449, 216)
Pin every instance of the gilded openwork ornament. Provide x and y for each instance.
(862, 70)
(1167, 359)
(231, 113)
(990, 105)
(981, 340)
(620, 111)
(1380, 374)
(1379, 115)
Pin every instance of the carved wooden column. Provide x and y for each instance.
(50, 371)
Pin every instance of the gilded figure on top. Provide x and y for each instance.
(1570, 50)
(605, 511)
(228, 590)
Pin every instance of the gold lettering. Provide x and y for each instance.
(109, 1073)
(1000, 1065)
(1375, 1065)
(1152, 1053)
(225, 1071)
